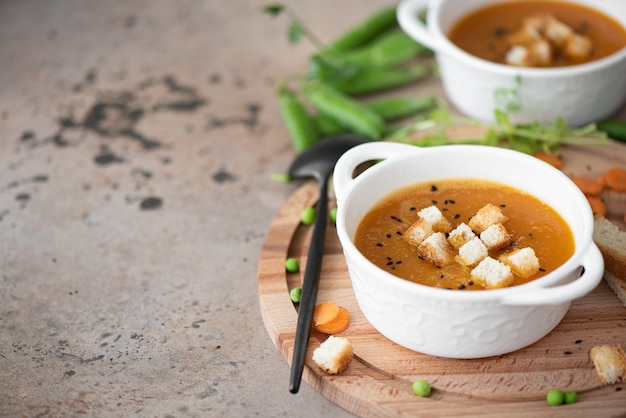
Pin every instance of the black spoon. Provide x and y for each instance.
(316, 162)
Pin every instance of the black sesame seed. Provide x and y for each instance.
(542, 269)
(389, 263)
(578, 341)
(617, 389)
(503, 205)
(457, 215)
(388, 235)
(452, 202)
(399, 262)
(461, 287)
(388, 258)
(378, 244)
(470, 283)
(434, 202)
(412, 208)
(393, 267)
(398, 233)
(433, 188)
(567, 353)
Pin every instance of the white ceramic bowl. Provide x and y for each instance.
(580, 94)
(462, 324)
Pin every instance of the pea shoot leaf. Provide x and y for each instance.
(295, 33)
(274, 9)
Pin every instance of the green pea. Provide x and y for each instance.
(292, 265)
(365, 31)
(571, 397)
(376, 79)
(345, 110)
(555, 397)
(332, 214)
(421, 388)
(295, 294)
(307, 217)
(301, 128)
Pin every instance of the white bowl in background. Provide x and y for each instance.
(580, 94)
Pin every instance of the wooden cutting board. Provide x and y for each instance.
(378, 381)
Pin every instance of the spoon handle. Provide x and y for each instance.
(310, 285)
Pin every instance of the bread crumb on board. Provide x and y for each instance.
(334, 355)
(610, 362)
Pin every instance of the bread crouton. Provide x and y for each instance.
(436, 249)
(577, 47)
(610, 363)
(485, 217)
(557, 31)
(433, 215)
(460, 235)
(492, 274)
(472, 252)
(334, 355)
(538, 53)
(418, 232)
(523, 261)
(496, 237)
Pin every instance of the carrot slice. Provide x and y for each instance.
(337, 325)
(588, 186)
(602, 180)
(597, 205)
(324, 313)
(616, 179)
(553, 160)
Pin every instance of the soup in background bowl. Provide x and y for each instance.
(462, 324)
(580, 94)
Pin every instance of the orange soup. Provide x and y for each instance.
(538, 33)
(531, 223)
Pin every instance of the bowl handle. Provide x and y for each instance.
(589, 275)
(343, 175)
(408, 19)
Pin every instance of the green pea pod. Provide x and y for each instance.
(393, 108)
(345, 110)
(365, 31)
(376, 79)
(300, 126)
(328, 126)
(615, 129)
(394, 47)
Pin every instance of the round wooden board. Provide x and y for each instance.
(378, 381)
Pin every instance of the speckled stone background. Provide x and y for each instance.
(137, 141)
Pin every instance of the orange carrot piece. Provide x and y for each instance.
(337, 325)
(588, 186)
(597, 205)
(324, 313)
(616, 179)
(602, 180)
(553, 160)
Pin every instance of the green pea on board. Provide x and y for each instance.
(421, 388)
(333, 215)
(292, 265)
(307, 217)
(555, 397)
(295, 294)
